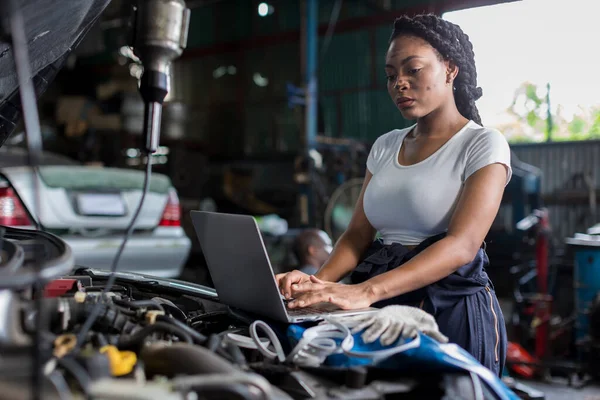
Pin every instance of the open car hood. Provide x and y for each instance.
(53, 28)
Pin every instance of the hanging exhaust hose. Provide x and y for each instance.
(183, 358)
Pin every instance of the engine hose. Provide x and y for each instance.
(101, 339)
(137, 338)
(139, 304)
(198, 319)
(183, 358)
(110, 319)
(226, 350)
(235, 354)
(214, 342)
(76, 370)
(224, 383)
(196, 336)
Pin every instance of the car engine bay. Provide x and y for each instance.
(160, 339)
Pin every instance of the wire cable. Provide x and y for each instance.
(138, 337)
(196, 336)
(139, 304)
(262, 347)
(34, 148)
(89, 322)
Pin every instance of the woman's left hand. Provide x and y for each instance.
(347, 297)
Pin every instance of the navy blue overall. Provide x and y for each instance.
(464, 303)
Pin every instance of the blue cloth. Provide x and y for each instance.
(428, 356)
(464, 303)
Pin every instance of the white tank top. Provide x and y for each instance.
(407, 204)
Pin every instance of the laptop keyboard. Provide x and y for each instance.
(315, 309)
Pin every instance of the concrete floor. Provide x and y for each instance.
(559, 390)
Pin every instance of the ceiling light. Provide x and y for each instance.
(260, 80)
(263, 9)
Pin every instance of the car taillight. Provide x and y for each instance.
(12, 211)
(172, 214)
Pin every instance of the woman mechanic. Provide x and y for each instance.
(432, 191)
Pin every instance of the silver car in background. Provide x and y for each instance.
(90, 208)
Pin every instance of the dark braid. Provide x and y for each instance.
(452, 44)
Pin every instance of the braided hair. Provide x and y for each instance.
(451, 44)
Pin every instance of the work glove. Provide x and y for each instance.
(391, 322)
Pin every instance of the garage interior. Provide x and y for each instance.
(270, 110)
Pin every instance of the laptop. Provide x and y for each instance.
(241, 270)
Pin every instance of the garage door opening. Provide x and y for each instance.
(532, 53)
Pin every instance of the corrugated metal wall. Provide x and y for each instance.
(560, 162)
(354, 98)
(255, 120)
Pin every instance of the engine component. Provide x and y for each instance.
(137, 339)
(181, 358)
(197, 337)
(121, 362)
(11, 330)
(61, 287)
(25, 249)
(129, 389)
(64, 344)
(95, 364)
(228, 383)
(109, 319)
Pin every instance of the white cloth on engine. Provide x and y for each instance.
(391, 322)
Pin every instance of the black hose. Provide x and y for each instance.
(126, 311)
(109, 318)
(200, 318)
(136, 339)
(139, 304)
(183, 358)
(76, 370)
(235, 354)
(61, 385)
(214, 341)
(102, 341)
(198, 337)
(171, 308)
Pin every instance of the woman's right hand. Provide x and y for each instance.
(286, 280)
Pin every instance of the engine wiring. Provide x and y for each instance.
(87, 325)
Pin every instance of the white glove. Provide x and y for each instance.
(390, 322)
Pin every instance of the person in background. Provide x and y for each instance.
(312, 248)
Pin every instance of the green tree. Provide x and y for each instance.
(594, 131)
(528, 107)
(577, 126)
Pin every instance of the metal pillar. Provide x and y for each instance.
(312, 53)
(310, 36)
